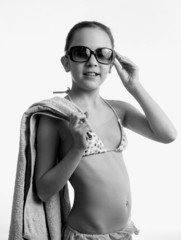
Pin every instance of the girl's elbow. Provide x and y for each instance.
(42, 196)
(171, 137)
(41, 193)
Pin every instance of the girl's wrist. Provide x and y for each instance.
(135, 88)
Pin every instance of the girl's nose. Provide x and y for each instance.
(92, 60)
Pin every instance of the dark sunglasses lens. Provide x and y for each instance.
(104, 55)
(80, 54)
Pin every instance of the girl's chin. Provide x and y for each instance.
(88, 86)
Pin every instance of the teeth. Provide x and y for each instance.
(91, 74)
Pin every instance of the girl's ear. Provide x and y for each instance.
(65, 63)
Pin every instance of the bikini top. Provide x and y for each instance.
(95, 144)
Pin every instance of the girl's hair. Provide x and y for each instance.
(87, 24)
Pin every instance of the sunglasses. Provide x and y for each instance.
(82, 54)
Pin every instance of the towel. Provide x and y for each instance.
(31, 218)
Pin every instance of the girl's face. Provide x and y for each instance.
(91, 74)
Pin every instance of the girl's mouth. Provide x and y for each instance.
(91, 74)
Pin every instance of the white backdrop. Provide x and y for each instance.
(32, 37)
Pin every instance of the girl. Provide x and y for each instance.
(90, 146)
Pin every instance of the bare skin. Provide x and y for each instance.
(102, 189)
(102, 201)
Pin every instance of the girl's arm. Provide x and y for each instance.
(154, 124)
(51, 178)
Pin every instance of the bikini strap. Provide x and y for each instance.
(118, 119)
(105, 101)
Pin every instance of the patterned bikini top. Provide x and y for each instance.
(95, 144)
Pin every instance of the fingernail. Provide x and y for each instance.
(86, 114)
(89, 135)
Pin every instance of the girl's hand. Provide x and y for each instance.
(79, 127)
(127, 71)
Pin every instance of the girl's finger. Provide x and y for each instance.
(119, 57)
(85, 126)
(117, 65)
(77, 119)
(119, 68)
(124, 60)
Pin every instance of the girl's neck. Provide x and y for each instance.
(85, 99)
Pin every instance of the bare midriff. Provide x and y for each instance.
(102, 202)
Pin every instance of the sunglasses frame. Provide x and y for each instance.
(69, 53)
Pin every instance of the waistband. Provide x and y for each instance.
(123, 234)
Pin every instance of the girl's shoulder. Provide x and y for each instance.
(48, 124)
(121, 108)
